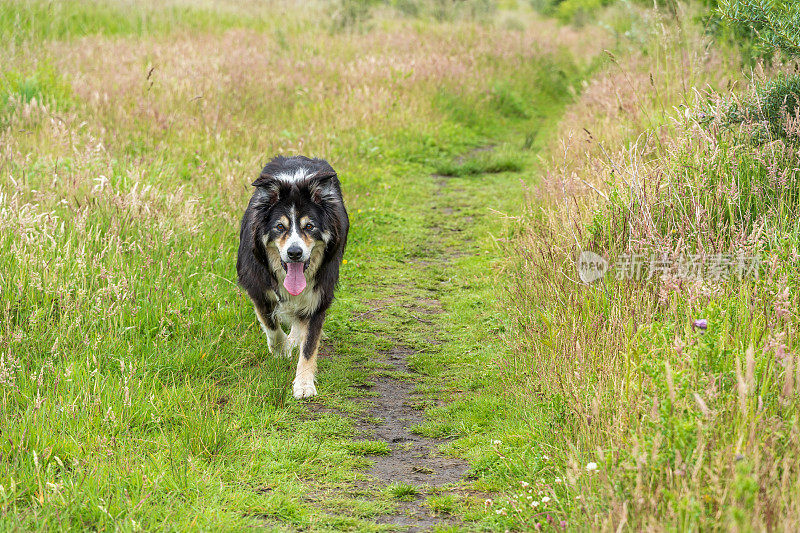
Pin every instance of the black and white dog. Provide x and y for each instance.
(292, 240)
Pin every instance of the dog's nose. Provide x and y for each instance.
(295, 253)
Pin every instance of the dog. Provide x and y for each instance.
(291, 245)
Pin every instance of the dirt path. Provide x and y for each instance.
(414, 459)
(398, 407)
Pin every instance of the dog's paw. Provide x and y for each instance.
(304, 388)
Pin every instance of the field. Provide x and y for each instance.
(467, 380)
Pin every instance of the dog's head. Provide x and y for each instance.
(292, 224)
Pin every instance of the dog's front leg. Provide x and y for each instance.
(303, 385)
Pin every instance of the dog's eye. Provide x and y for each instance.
(280, 227)
(309, 227)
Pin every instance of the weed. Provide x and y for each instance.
(769, 111)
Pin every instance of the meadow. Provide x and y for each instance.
(481, 146)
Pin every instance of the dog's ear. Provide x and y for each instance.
(323, 186)
(264, 180)
(270, 186)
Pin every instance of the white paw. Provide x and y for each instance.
(304, 388)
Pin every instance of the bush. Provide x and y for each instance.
(351, 14)
(770, 112)
(775, 24)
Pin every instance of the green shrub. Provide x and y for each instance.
(578, 11)
(775, 24)
(769, 109)
(351, 15)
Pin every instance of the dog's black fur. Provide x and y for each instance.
(297, 202)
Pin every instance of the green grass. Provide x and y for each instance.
(628, 416)
(38, 20)
(481, 164)
(403, 491)
(368, 447)
(445, 504)
(136, 388)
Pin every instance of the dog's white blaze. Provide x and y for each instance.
(294, 239)
(299, 175)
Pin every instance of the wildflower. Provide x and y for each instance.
(545, 499)
(501, 511)
(545, 458)
(534, 504)
(496, 442)
(488, 502)
(591, 467)
(700, 323)
(524, 484)
(558, 480)
(344, 261)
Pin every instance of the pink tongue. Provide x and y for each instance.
(295, 280)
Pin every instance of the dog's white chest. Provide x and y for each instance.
(290, 307)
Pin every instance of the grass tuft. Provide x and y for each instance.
(403, 492)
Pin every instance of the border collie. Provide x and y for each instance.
(291, 244)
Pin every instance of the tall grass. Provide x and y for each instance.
(672, 401)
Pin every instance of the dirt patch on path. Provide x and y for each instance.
(414, 459)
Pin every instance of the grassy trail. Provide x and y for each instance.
(137, 391)
(432, 334)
